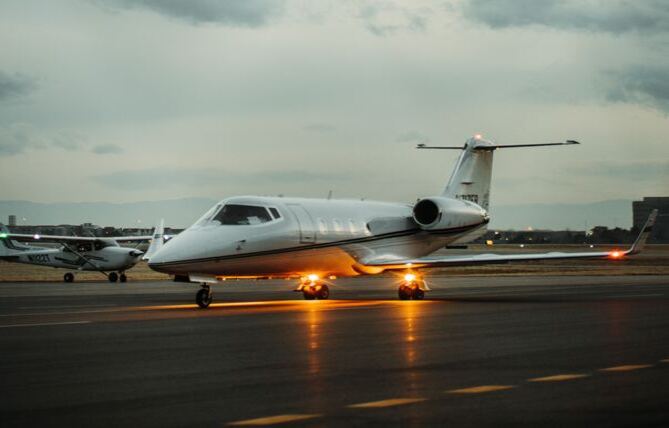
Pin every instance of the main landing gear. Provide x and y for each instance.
(204, 297)
(113, 277)
(313, 288)
(68, 277)
(413, 288)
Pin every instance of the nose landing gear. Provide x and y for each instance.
(204, 297)
(313, 288)
(413, 288)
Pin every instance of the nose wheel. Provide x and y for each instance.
(204, 297)
(318, 291)
(68, 277)
(410, 291)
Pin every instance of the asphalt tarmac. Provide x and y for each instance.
(518, 350)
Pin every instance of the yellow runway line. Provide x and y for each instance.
(386, 403)
(274, 420)
(626, 368)
(480, 389)
(558, 378)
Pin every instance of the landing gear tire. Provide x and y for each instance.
(68, 277)
(323, 293)
(309, 293)
(417, 294)
(204, 297)
(404, 292)
(123, 278)
(113, 277)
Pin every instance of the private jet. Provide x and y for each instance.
(315, 241)
(80, 253)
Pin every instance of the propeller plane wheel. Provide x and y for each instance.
(113, 277)
(204, 297)
(323, 292)
(68, 277)
(123, 278)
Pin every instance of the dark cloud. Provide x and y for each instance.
(320, 128)
(641, 85)
(611, 16)
(107, 149)
(387, 18)
(413, 137)
(15, 85)
(68, 140)
(197, 178)
(19, 137)
(245, 13)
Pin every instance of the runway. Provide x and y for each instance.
(483, 350)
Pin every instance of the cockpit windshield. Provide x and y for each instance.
(232, 214)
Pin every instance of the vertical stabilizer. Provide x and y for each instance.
(156, 241)
(471, 177)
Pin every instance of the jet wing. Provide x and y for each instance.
(480, 259)
(70, 239)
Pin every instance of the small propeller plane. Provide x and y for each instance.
(80, 253)
(315, 240)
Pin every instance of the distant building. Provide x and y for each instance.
(641, 210)
(12, 220)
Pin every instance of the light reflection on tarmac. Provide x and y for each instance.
(530, 350)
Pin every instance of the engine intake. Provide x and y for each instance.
(441, 212)
(426, 212)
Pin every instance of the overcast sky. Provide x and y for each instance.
(130, 100)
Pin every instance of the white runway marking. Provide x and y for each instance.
(44, 324)
(67, 307)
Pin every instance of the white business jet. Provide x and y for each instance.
(79, 253)
(316, 240)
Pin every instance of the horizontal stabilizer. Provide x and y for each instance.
(497, 146)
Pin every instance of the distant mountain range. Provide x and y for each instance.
(183, 212)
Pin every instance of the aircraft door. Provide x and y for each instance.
(306, 224)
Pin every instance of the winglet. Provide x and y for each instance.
(643, 235)
(156, 240)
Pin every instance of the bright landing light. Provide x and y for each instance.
(409, 277)
(615, 254)
(313, 277)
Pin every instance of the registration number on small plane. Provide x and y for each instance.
(39, 258)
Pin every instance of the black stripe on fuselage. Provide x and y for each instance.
(390, 235)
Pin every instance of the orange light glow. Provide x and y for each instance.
(409, 277)
(615, 254)
(312, 277)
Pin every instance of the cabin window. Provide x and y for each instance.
(351, 226)
(322, 226)
(337, 226)
(275, 213)
(233, 214)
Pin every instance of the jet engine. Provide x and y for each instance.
(441, 212)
